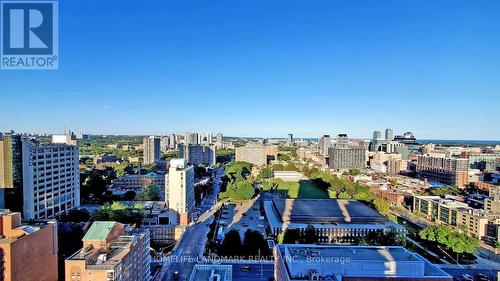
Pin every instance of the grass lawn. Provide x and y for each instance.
(304, 189)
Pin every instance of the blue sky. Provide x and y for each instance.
(267, 68)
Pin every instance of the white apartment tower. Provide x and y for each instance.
(180, 190)
(51, 179)
(151, 150)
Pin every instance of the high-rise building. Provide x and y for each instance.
(325, 142)
(439, 167)
(111, 251)
(257, 154)
(40, 181)
(389, 134)
(191, 138)
(219, 138)
(28, 251)
(342, 140)
(151, 150)
(180, 190)
(289, 139)
(11, 171)
(51, 180)
(346, 156)
(197, 154)
(377, 135)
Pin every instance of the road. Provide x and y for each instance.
(189, 249)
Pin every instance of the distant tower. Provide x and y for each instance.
(151, 150)
(324, 143)
(289, 139)
(389, 134)
(342, 140)
(377, 135)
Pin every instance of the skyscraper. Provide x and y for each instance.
(51, 179)
(11, 172)
(191, 138)
(342, 140)
(377, 135)
(219, 138)
(197, 154)
(324, 143)
(346, 156)
(181, 190)
(289, 139)
(41, 181)
(389, 134)
(151, 150)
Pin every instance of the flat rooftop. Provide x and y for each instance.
(331, 211)
(356, 261)
(203, 272)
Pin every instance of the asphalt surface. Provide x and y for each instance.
(457, 273)
(190, 248)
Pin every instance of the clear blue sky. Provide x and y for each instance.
(266, 68)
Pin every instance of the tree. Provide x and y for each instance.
(129, 195)
(231, 245)
(150, 193)
(291, 236)
(266, 172)
(393, 182)
(457, 242)
(254, 244)
(310, 236)
(381, 205)
(75, 215)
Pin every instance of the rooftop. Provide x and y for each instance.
(326, 211)
(203, 272)
(99, 230)
(356, 261)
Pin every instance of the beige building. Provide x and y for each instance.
(180, 190)
(138, 182)
(111, 252)
(452, 213)
(257, 154)
(439, 167)
(28, 252)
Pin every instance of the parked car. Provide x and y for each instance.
(261, 225)
(261, 218)
(245, 267)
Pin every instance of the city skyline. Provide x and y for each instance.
(427, 68)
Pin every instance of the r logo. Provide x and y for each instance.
(29, 33)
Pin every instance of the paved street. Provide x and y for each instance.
(190, 248)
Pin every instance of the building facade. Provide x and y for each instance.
(448, 170)
(257, 154)
(180, 190)
(113, 252)
(27, 252)
(350, 157)
(151, 150)
(51, 180)
(452, 213)
(325, 142)
(197, 154)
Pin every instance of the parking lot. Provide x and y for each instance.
(242, 216)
